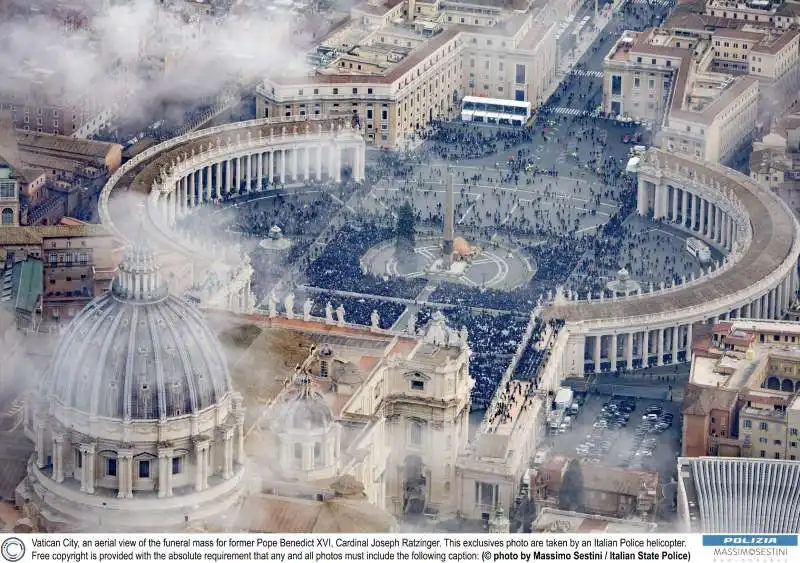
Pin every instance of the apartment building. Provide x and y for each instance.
(743, 397)
(778, 13)
(393, 74)
(775, 160)
(665, 77)
(611, 491)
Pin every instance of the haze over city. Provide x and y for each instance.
(299, 266)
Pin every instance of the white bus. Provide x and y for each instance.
(495, 111)
(698, 249)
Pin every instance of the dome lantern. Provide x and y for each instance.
(139, 275)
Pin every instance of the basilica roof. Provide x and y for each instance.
(138, 353)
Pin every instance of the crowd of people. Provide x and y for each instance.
(493, 341)
(339, 266)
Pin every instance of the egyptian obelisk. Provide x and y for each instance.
(449, 212)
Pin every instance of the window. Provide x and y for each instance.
(520, 74)
(793, 431)
(636, 82)
(111, 467)
(78, 458)
(298, 452)
(144, 469)
(177, 465)
(777, 443)
(747, 423)
(763, 440)
(763, 426)
(616, 85)
(335, 91)
(417, 385)
(415, 433)
(651, 84)
(7, 216)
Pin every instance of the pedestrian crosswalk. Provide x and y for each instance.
(567, 111)
(654, 3)
(592, 73)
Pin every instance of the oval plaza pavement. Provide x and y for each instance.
(753, 227)
(725, 209)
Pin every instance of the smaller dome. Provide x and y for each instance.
(303, 410)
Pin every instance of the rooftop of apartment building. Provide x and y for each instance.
(731, 363)
(699, 94)
(552, 520)
(388, 52)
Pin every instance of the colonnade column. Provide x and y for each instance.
(218, 185)
(87, 468)
(712, 213)
(658, 200)
(612, 352)
(688, 342)
(248, 173)
(685, 206)
(331, 163)
(779, 301)
(283, 166)
(319, 162)
(717, 224)
(173, 205)
(660, 350)
(271, 165)
(295, 163)
(645, 348)
(675, 192)
(260, 173)
(696, 209)
(306, 162)
(338, 164)
(192, 196)
(642, 187)
(598, 339)
(703, 212)
(629, 350)
(208, 184)
(675, 343)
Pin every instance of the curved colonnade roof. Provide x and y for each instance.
(140, 178)
(774, 231)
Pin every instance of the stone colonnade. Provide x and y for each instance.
(257, 169)
(706, 218)
(708, 215)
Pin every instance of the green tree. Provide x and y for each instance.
(570, 496)
(405, 226)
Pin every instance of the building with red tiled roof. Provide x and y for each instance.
(743, 396)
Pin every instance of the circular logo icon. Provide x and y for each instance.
(12, 549)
